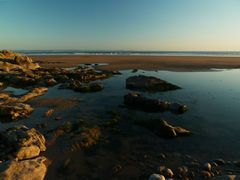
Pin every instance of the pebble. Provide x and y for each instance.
(207, 166)
(168, 173)
(156, 177)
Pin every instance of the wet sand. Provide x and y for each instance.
(174, 63)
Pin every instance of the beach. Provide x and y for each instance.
(173, 63)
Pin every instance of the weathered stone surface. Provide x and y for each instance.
(163, 129)
(32, 169)
(14, 111)
(140, 102)
(34, 93)
(13, 107)
(21, 143)
(10, 61)
(149, 83)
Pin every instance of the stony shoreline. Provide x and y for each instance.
(25, 148)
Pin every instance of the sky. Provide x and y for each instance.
(153, 25)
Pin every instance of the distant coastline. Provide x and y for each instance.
(130, 53)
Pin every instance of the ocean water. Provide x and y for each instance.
(132, 53)
(213, 99)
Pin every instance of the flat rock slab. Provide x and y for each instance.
(149, 83)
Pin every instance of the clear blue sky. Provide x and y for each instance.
(120, 24)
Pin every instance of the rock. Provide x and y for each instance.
(22, 143)
(32, 169)
(28, 152)
(34, 93)
(156, 177)
(227, 177)
(149, 83)
(140, 102)
(206, 174)
(51, 82)
(13, 62)
(219, 161)
(182, 170)
(207, 166)
(49, 112)
(15, 111)
(163, 129)
(167, 173)
(78, 86)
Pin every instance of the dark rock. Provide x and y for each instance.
(149, 83)
(137, 101)
(163, 129)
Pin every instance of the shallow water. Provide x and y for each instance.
(213, 99)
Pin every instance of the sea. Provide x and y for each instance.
(131, 53)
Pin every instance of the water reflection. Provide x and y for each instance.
(213, 99)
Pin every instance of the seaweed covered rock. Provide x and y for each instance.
(32, 169)
(149, 83)
(21, 143)
(140, 102)
(163, 129)
(10, 62)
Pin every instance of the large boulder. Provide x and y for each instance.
(21, 143)
(149, 83)
(32, 169)
(136, 100)
(20, 149)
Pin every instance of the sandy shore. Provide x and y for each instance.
(174, 63)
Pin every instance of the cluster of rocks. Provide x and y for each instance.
(78, 86)
(11, 61)
(20, 71)
(14, 107)
(20, 154)
(218, 169)
(136, 100)
(149, 83)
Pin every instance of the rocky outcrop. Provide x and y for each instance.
(136, 100)
(32, 169)
(163, 129)
(14, 111)
(20, 154)
(10, 61)
(83, 87)
(14, 107)
(22, 143)
(149, 83)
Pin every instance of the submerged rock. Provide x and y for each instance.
(138, 101)
(149, 83)
(32, 169)
(163, 128)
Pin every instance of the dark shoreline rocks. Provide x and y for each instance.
(149, 83)
(137, 101)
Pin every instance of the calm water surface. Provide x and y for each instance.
(213, 99)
